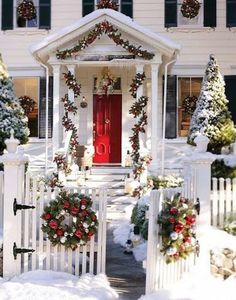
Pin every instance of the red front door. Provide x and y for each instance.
(107, 128)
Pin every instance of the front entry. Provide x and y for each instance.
(107, 128)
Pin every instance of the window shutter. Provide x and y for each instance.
(230, 13)
(42, 107)
(210, 13)
(170, 13)
(127, 8)
(230, 92)
(171, 117)
(7, 14)
(44, 14)
(88, 7)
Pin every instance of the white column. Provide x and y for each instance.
(140, 69)
(71, 95)
(154, 114)
(56, 108)
(14, 167)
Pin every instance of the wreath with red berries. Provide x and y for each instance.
(177, 221)
(74, 209)
(26, 10)
(190, 8)
(28, 104)
(107, 4)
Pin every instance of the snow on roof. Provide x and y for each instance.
(97, 14)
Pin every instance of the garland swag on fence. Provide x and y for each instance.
(104, 28)
(67, 123)
(138, 111)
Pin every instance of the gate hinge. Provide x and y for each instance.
(17, 206)
(20, 250)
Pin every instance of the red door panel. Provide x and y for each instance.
(107, 128)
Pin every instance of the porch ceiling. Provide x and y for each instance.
(61, 39)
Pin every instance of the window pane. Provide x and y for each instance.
(187, 89)
(28, 86)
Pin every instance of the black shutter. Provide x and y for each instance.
(127, 8)
(230, 13)
(44, 14)
(7, 14)
(42, 107)
(210, 13)
(88, 7)
(230, 92)
(171, 117)
(170, 13)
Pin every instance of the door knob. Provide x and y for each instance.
(107, 121)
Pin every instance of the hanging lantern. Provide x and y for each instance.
(83, 103)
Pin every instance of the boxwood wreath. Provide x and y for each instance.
(28, 104)
(83, 226)
(190, 8)
(177, 221)
(26, 10)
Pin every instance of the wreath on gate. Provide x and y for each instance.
(107, 4)
(26, 10)
(190, 8)
(27, 103)
(189, 104)
(177, 222)
(69, 220)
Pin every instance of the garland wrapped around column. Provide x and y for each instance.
(67, 123)
(138, 111)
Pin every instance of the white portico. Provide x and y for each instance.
(87, 66)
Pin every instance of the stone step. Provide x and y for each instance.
(103, 170)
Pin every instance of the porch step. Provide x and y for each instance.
(103, 170)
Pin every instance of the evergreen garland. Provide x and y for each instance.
(138, 111)
(177, 221)
(26, 10)
(67, 123)
(190, 8)
(83, 223)
(104, 28)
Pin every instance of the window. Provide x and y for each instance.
(206, 15)
(11, 19)
(20, 22)
(188, 90)
(29, 86)
(124, 6)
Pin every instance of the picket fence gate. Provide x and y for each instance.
(22, 228)
(196, 186)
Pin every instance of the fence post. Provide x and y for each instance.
(200, 163)
(14, 164)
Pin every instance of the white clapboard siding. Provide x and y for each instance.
(1, 198)
(85, 259)
(223, 200)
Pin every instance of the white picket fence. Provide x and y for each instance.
(85, 259)
(223, 200)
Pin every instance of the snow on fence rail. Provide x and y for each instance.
(223, 200)
(89, 258)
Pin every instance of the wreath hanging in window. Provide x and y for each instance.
(190, 8)
(27, 103)
(189, 104)
(69, 220)
(107, 4)
(26, 10)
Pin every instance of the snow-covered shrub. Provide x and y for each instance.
(219, 168)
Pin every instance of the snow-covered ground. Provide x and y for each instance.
(49, 285)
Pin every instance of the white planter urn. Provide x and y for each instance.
(201, 142)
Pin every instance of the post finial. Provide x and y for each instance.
(12, 143)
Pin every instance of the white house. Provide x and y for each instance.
(179, 45)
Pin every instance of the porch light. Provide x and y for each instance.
(83, 103)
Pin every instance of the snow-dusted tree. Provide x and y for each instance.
(11, 113)
(211, 115)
